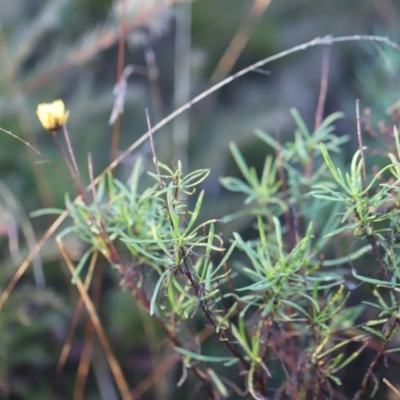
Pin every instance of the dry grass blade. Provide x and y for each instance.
(319, 113)
(112, 361)
(240, 40)
(67, 345)
(40, 154)
(24, 266)
(86, 355)
(388, 384)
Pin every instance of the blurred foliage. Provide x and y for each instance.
(69, 49)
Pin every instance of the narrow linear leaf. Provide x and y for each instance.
(156, 290)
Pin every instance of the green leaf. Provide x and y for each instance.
(266, 138)
(375, 332)
(46, 211)
(352, 256)
(373, 281)
(300, 123)
(241, 163)
(235, 185)
(337, 360)
(296, 306)
(349, 359)
(156, 290)
(259, 286)
(218, 383)
(229, 313)
(81, 264)
(135, 175)
(225, 258)
(335, 172)
(330, 119)
(335, 379)
(150, 256)
(343, 228)
(195, 213)
(267, 308)
(195, 178)
(201, 357)
(279, 237)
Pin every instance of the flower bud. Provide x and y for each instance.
(53, 115)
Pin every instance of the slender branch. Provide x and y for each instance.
(387, 383)
(75, 172)
(239, 41)
(319, 41)
(154, 84)
(321, 103)
(153, 149)
(206, 312)
(281, 173)
(63, 154)
(40, 154)
(323, 88)
(361, 394)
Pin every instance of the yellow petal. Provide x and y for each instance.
(52, 116)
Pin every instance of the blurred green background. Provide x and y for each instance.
(69, 49)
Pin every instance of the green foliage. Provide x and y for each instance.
(274, 296)
(292, 304)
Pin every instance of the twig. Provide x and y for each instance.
(39, 154)
(371, 238)
(210, 318)
(323, 88)
(321, 102)
(360, 395)
(240, 40)
(281, 174)
(91, 177)
(319, 41)
(63, 154)
(391, 387)
(77, 174)
(153, 150)
(154, 85)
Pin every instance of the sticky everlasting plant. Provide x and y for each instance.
(268, 313)
(276, 305)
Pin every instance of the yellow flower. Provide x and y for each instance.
(52, 115)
